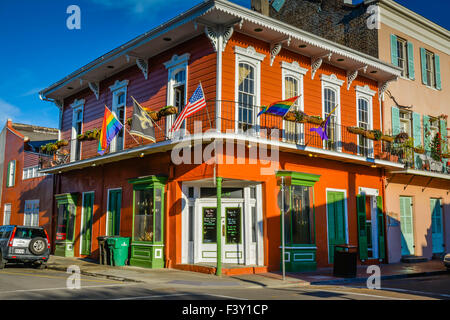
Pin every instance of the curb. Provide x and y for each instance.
(391, 277)
(93, 274)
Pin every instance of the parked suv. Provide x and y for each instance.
(29, 245)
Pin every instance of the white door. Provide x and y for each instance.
(233, 235)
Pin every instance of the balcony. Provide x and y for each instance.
(241, 121)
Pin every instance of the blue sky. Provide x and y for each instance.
(37, 49)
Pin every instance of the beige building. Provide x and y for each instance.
(417, 200)
(418, 103)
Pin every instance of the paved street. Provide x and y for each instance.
(17, 282)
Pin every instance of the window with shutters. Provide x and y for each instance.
(430, 68)
(402, 56)
(363, 122)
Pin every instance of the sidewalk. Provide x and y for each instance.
(174, 277)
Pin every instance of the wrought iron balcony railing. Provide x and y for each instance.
(242, 119)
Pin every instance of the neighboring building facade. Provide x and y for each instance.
(27, 194)
(180, 209)
(418, 204)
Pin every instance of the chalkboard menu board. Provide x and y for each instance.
(233, 225)
(209, 225)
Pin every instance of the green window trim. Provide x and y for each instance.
(69, 199)
(437, 65)
(411, 72)
(150, 183)
(394, 50)
(300, 179)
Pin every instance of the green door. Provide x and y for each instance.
(336, 221)
(406, 225)
(436, 226)
(86, 236)
(114, 205)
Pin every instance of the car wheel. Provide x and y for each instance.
(37, 246)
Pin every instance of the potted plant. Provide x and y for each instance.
(436, 148)
(387, 138)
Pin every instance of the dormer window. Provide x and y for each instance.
(119, 99)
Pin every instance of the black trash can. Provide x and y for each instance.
(345, 257)
(103, 250)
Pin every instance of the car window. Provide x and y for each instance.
(28, 233)
(6, 234)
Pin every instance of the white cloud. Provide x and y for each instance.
(31, 92)
(7, 110)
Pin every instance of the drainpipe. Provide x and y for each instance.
(219, 226)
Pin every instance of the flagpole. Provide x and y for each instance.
(206, 105)
(123, 126)
(323, 122)
(151, 120)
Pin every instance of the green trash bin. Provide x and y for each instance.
(118, 247)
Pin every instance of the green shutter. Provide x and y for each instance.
(423, 59)
(394, 50)
(426, 133)
(117, 216)
(437, 64)
(362, 233)
(395, 121)
(411, 73)
(88, 203)
(381, 233)
(7, 175)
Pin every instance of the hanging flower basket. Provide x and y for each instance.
(153, 114)
(419, 150)
(387, 138)
(54, 146)
(314, 119)
(89, 135)
(167, 111)
(295, 116)
(446, 155)
(62, 143)
(356, 130)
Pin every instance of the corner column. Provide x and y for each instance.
(219, 226)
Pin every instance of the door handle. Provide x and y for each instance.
(223, 230)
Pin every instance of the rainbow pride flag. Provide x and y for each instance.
(279, 108)
(110, 127)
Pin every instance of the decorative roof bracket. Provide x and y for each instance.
(95, 88)
(141, 62)
(383, 87)
(275, 48)
(214, 32)
(352, 75)
(316, 62)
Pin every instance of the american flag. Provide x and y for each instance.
(196, 103)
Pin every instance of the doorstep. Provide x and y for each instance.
(227, 270)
